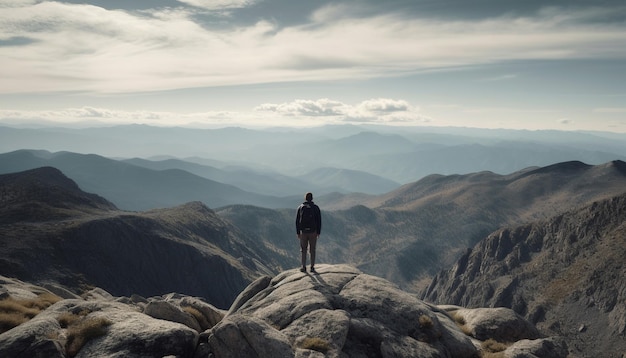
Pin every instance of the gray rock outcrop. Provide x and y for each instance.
(337, 312)
(342, 312)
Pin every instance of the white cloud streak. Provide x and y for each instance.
(107, 117)
(295, 113)
(218, 4)
(91, 49)
(376, 110)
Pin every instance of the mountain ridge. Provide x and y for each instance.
(406, 235)
(132, 187)
(400, 154)
(566, 271)
(175, 249)
(410, 241)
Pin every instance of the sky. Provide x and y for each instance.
(533, 64)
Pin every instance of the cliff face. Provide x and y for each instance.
(566, 274)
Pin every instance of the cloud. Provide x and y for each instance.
(72, 47)
(219, 4)
(89, 115)
(610, 110)
(385, 105)
(306, 108)
(378, 110)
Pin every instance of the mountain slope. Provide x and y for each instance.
(502, 158)
(564, 272)
(131, 187)
(409, 234)
(247, 179)
(187, 249)
(45, 193)
(344, 180)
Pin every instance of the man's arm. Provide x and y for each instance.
(319, 220)
(298, 221)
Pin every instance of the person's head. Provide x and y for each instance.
(308, 197)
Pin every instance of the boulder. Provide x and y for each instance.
(98, 294)
(243, 336)
(60, 291)
(340, 311)
(211, 314)
(34, 338)
(328, 328)
(500, 324)
(171, 312)
(125, 332)
(249, 292)
(553, 347)
(130, 333)
(337, 312)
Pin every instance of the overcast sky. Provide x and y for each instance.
(533, 64)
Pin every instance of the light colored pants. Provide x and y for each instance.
(308, 240)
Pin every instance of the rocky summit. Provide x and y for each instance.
(337, 311)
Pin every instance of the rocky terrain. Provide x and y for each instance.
(337, 312)
(51, 231)
(566, 275)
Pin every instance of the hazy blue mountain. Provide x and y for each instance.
(321, 181)
(268, 183)
(501, 158)
(131, 187)
(399, 154)
(349, 181)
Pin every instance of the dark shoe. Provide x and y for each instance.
(303, 269)
(313, 269)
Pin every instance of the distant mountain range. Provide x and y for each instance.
(396, 154)
(139, 184)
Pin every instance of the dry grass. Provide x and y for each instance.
(200, 318)
(316, 344)
(492, 355)
(67, 319)
(493, 346)
(82, 330)
(14, 312)
(425, 322)
(493, 349)
(460, 322)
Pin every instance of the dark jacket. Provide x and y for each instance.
(318, 217)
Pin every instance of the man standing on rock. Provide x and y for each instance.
(308, 228)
